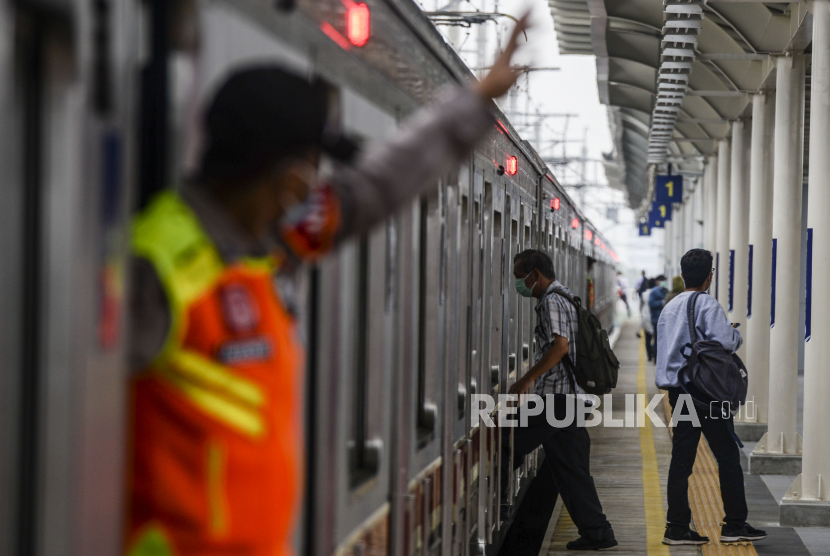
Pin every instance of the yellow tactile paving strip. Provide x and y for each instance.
(652, 492)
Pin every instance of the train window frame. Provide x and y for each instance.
(363, 462)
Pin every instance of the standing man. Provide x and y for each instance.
(216, 432)
(656, 297)
(710, 324)
(568, 449)
(642, 286)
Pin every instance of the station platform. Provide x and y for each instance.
(630, 468)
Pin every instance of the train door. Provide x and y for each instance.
(452, 476)
(351, 383)
(67, 82)
(478, 360)
(465, 383)
(497, 269)
(426, 447)
(512, 308)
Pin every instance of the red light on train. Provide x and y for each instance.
(589, 234)
(358, 24)
(575, 223)
(597, 242)
(603, 247)
(554, 203)
(511, 165)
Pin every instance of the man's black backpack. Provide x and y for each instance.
(711, 373)
(596, 367)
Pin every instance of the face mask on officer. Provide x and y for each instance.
(521, 286)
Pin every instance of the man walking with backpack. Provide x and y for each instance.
(675, 338)
(567, 449)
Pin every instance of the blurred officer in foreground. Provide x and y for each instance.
(216, 445)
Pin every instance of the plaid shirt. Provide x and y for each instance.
(555, 316)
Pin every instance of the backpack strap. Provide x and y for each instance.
(690, 315)
(575, 301)
(690, 318)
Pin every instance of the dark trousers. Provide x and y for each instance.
(651, 349)
(684, 450)
(568, 453)
(654, 326)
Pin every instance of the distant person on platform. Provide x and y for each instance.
(656, 302)
(622, 291)
(710, 324)
(642, 286)
(648, 330)
(677, 288)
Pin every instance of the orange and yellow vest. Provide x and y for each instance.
(216, 442)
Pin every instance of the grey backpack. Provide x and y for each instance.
(711, 373)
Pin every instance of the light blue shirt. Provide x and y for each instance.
(673, 333)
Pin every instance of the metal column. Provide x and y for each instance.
(710, 219)
(689, 219)
(668, 246)
(678, 226)
(697, 214)
(738, 230)
(752, 421)
(781, 438)
(816, 462)
(722, 238)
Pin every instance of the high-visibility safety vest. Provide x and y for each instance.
(216, 441)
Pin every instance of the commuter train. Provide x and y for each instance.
(98, 111)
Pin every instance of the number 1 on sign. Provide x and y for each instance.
(663, 211)
(670, 187)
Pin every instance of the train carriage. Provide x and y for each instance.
(403, 325)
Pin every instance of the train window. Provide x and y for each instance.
(514, 300)
(429, 365)
(465, 316)
(362, 464)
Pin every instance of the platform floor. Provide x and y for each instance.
(630, 468)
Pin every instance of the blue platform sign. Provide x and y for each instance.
(645, 229)
(661, 209)
(655, 220)
(668, 189)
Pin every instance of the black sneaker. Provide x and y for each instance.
(604, 540)
(737, 532)
(682, 535)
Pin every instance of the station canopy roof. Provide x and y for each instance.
(674, 73)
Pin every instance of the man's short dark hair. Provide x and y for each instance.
(696, 265)
(531, 259)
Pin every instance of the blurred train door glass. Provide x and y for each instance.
(368, 351)
(513, 301)
(430, 321)
(465, 309)
(493, 202)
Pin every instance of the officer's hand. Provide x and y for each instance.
(501, 76)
